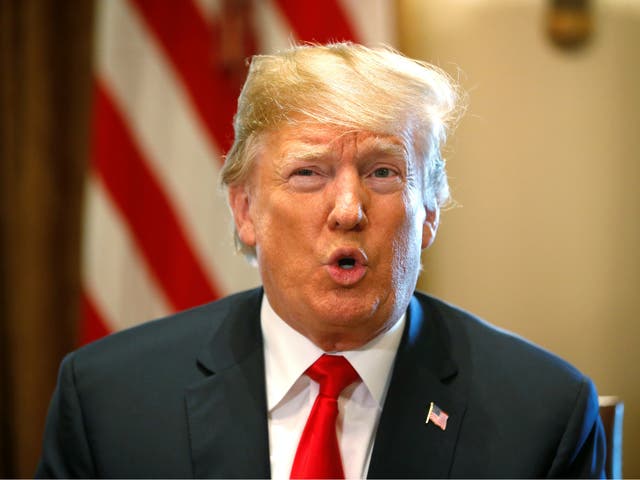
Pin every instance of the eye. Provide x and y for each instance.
(304, 172)
(382, 172)
(307, 178)
(385, 179)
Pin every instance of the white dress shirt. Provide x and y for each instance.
(291, 394)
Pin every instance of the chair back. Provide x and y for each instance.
(611, 413)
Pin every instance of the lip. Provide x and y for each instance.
(347, 277)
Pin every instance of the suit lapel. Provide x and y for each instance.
(424, 372)
(227, 410)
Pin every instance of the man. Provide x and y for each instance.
(336, 367)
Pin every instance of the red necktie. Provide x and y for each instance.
(318, 454)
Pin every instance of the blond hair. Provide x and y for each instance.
(353, 87)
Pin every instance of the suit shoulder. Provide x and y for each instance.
(512, 386)
(168, 337)
(494, 348)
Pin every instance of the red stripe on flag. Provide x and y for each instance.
(193, 49)
(92, 326)
(317, 21)
(152, 220)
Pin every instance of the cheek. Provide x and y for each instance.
(406, 251)
(407, 244)
(282, 223)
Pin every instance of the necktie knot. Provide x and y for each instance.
(333, 373)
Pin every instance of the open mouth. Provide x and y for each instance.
(347, 263)
(347, 266)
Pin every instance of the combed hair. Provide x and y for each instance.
(353, 87)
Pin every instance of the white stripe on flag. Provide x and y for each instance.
(209, 9)
(373, 21)
(273, 32)
(119, 282)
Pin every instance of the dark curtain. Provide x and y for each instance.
(45, 92)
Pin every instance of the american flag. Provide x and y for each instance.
(437, 416)
(157, 235)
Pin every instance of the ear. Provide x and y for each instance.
(240, 201)
(430, 227)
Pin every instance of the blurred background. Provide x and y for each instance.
(114, 115)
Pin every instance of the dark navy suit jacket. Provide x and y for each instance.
(185, 397)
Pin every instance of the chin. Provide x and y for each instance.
(349, 307)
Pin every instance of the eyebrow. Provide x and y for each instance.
(380, 145)
(301, 150)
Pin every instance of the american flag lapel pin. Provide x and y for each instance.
(437, 416)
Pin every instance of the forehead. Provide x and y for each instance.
(319, 141)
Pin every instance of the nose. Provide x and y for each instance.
(349, 203)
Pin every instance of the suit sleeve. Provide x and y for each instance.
(582, 449)
(65, 451)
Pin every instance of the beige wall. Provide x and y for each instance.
(546, 166)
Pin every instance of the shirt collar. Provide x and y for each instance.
(288, 354)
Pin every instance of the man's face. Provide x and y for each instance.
(338, 222)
